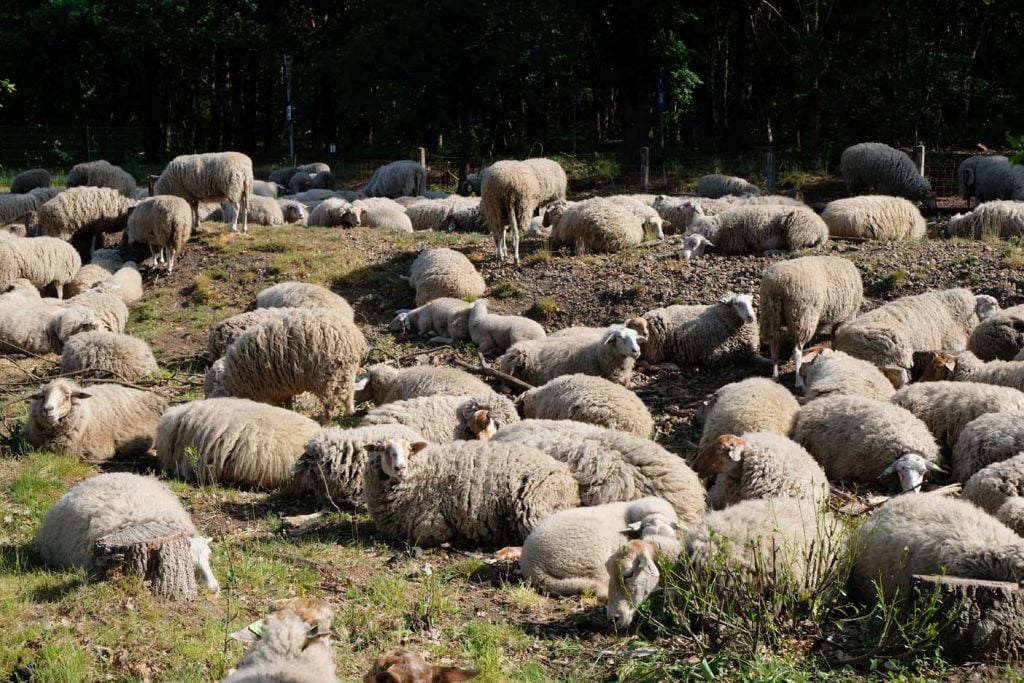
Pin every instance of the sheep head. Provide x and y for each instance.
(481, 424)
(201, 560)
(720, 455)
(694, 246)
(742, 305)
(401, 666)
(911, 468)
(941, 368)
(293, 625)
(57, 399)
(985, 306)
(640, 325)
(625, 341)
(553, 212)
(394, 455)
(632, 577)
(400, 323)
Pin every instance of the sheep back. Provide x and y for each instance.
(444, 273)
(597, 226)
(103, 354)
(594, 400)
(711, 336)
(874, 217)
(989, 438)
(888, 171)
(752, 405)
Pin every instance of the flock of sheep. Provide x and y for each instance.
(568, 471)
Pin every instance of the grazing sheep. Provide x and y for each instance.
(262, 211)
(828, 372)
(397, 179)
(716, 185)
(1003, 219)
(989, 438)
(585, 398)
(380, 212)
(755, 230)
(932, 534)
(999, 336)
(444, 273)
(510, 194)
(989, 177)
(879, 167)
(163, 223)
(334, 212)
(15, 207)
(710, 336)
(443, 419)
(468, 492)
(612, 466)
(399, 666)
(874, 217)
(386, 384)
(947, 407)
(495, 333)
(26, 181)
(308, 350)
(43, 261)
(109, 503)
(96, 423)
(44, 327)
(105, 354)
(88, 210)
(998, 489)
(759, 465)
(445, 318)
(303, 295)
(594, 226)
(293, 211)
(213, 177)
(102, 174)
(231, 440)
(550, 179)
(752, 405)
(889, 335)
(966, 367)
(802, 296)
(539, 361)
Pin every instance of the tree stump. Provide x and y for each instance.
(990, 624)
(160, 554)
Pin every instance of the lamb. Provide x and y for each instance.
(567, 553)
(612, 466)
(26, 181)
(755, 229)
(446, 318)
(444, 273)
(231, 440)
(801, 296)
(752, 405)
(717, 185)
(43, 261)
(397, 179)
(947, 407)
(711, 336)
(86, 210)
(102, 174)
(385, 384)
(759, 465)
(510, 194)
(163, 223)
(889, 335)
(539, 361)
(1003, 219)
(380, 212)
(308, 350)
(828, 372)
(216, 176)
(228, 330)
(879, 167)
(989, 438)
(332, 462)
(595, 226)
(333, 212)
(262, 211)
(107, 354)
(467, 492)
(932, 535)
(293, 211)
(589, 399)
(96, 423)
(15, 207)
(998, 489)
(874, 217)
(303, 295)
(43, 328)
(967, 367)
(989, 177)
(495, 333)
(108, 503)
(129, 281)
(399, 666)
(443, 419)
(999, 336)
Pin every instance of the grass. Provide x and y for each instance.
(506, 289)
(544, 307)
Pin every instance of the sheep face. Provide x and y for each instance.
(400, 666)
(633, 577)
(394, 456)
(941, 368)
(400, 324)
(315, 615)
(985, 306)
(201, 560)
(58, 399)
(482, 424)
(352, 218)
(694, 246)
(626, 342)
(911, 469)
(743, 305)
(720, 455)
(553, 212)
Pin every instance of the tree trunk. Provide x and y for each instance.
(158, 553)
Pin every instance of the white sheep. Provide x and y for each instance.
(19, 293)
(262, 211)
(228, 330)
(397, 179)
(333, 212)
(44, 327)
(101, 174)
(999, 336)
(633, 573)
(589, 399)
(96, 423)
(164, 223)
(594, 226)
(611, 356)
(264, 188)
(303, 295)
(550, 178)
(43, 261)
(91, 211)
(495, 333)
(26, 181)
(104, 354)
(380, 212)
(1003, 219)
(998, 489)
(445, 318)
(444, 273)
(989, 177)
(293, 211)
(213, 177)
(877, 166)
(510, 194)
(128, 281)
(716, 185)
(989, 438)
(751, 405)
(755, 229)
(442, 418)
(106, 300)
(649, 217)
(828, 372)
(966, 367)
(87, 276)
(386, 384)
(293, 643)
(874, 217)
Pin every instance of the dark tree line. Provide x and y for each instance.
(493, 77)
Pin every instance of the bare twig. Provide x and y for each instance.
(487, 371)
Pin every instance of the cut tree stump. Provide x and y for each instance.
(160, 554)
(990, 625)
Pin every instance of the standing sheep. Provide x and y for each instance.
(596, 226)
(162, 222)
(43, 261)
(444, 273)
(611, 356)
(446, 318)
(228, 330)
(550, 179)
(989, 177)
(213, 177)
(874, 217)
(999, 336)
(877, 166)
(833, 373)
(303, 295)
(397, 179)
(26, 181)
(1003, 219)
(443, 419)
(385, 384)
(594, 400)
(103, 354)
(510, 194)
(989, 438)
(89, 211)
(102, 174)
(755, 229)
(752, 405)
(716, 185)
(495, 333)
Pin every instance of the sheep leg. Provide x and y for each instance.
(515, 237)
(244, 208)
(798, 355)
(60, 289)
(195, 217)
(775, 360)
(234, 221)
(170, 262)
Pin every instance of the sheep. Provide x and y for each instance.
(1004, 219)
(712, 336)
(307, 350)
(397, 179)
(293, 211)
(595, 226)
(87, 210)
(399, 666)
(759, 465)
(649, 217)
(314, 168)
(300, 182)
(43, 328)
(385, 384)
(752, 405)
(495, 333)
(550, 178)
(15, 207)
(26, 181)
(539, 361)
(931, 534)
(999, 336)
(282, 176)
(589, 399)
(96, 423)
(874, 217)
(680, 212)
(102, 354)
(262, 211)
(966, 367)
(19, 293)
(380, 212)
(755, 229)
(228, 330)
(612, 466)
(109, 503)
(465, 492)
(828, 372)
(43, 261)
(446, 318)
(453, 213)
(323, 180)
(567, 553)
(311, 198)
(291, 644)
(947, 407)
(443, 418)
(803, 295)
(303, 295)
(716, 185)
(87, 276)
(877, 166)
(216, 176)
(107, 302)
(163, 223)
(988, 177)
(102, 174)
(444, 273)
(333, 212)
(129, 281)
(989, 438)
(509, 196)
(263, 188)
(231, 440)
(889, 335)
(472, 184)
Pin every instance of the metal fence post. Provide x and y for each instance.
(770, 171)
(645, 167)
(919, 158)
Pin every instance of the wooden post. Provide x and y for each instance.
(423, 157)
(645, 167)
(919, 158)
(770, 171)
(160, 554)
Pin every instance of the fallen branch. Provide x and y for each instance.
(487, 371)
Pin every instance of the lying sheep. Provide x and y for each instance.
(444, 273)
(300, 182)
(293, 211)
(539, 361)
(102, 174)
(998, 489)
(380, 212)
(26, 181)
(262, 211)
(442, 418)
(650, 219)
(999, 336)
(96, 423)
(759, 465)
(107, 354)
(716, 185)
(989, 438)
(612, 466)
(966, 367)
(263, 188)
(213, 177)
(231, 440)
(127, 281)
(386, 384)
(755, 230)
(87, 276)
(752, 405)
(594, 400)
(805, 295)
(989, 177)
(445, 318)
(397, 179)
(163, 223)
(470, 492)
(879, 167)
(334, 212)
(874, 217)
(1003, 219)
(510, 194)
(16, 207)
(109, 503)
(633, 573)
(43, 328)
(408, 667)
(303, 295)
(90, 211)
(107, 302)
(495, 333)
(594, 226)
(282, 176)
(437, 215)
(19, 293)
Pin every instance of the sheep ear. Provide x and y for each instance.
(417, 446)
(666, 224)
(933, 467)
(887, 471)
(38, 396)
(251, 633)
(80, 394)
(361, 382)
